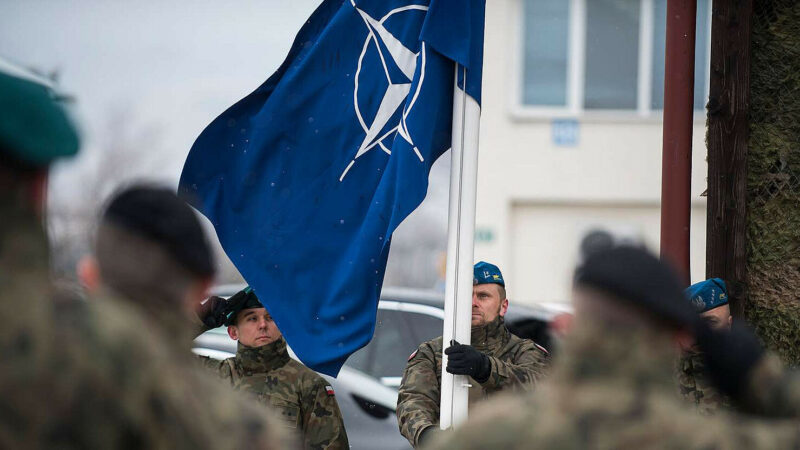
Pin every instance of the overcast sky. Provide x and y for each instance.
(176, 64)
(169, 66)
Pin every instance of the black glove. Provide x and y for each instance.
(729, 356)
(215, 310)
(465, 360)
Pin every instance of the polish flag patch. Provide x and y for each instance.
(329, 390)
(413, 355)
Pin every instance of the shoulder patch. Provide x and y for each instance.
(329, 390)
(413, 355)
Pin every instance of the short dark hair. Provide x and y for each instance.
(15, 173)
(502, 291)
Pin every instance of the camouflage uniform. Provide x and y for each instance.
(95, 375)
(611, 389)
(515, 364)
(695, 386)
(302, 399)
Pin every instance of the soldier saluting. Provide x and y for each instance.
(262, 366)
(497, 360)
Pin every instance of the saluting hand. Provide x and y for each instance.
(465, 360)
(214, 311)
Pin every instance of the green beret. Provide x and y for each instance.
(34, 126)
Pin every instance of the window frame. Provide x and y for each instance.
(576, 45)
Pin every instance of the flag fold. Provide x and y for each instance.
(306, 178)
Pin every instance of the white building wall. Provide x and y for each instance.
(535, 198)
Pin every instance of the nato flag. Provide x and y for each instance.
(306, 178)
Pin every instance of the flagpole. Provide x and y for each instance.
(460, 251)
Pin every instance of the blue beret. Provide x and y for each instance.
(484, 273)
(707, 295)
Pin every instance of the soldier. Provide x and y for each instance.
(497, 360)
(612, 386)
(262, 366)
(710, 299)
(86, 374)
(150, 223)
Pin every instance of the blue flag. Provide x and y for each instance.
(306, 178)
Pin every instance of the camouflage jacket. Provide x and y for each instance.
(515, 364)
(694, 386)
(80, 374)
(302, 398)
(612, 388)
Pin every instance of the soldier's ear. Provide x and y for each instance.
(233, 332)
(89, 273)
(503, 307)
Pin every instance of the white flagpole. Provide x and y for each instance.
(460, 251)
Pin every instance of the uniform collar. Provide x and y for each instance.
(490, 335)
(262, 359)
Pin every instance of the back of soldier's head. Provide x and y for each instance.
(151, 248)
(629, 285)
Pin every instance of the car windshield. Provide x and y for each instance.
(397, 335)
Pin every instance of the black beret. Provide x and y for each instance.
(244, 299)
(159, 215)
(636, 276)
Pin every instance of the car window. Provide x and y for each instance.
(361, 359)
(392, 344)
(387, 353)
(423, 327)
(397, 335)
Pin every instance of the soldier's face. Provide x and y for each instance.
(719, 318)
(487, 304)
(254, 328)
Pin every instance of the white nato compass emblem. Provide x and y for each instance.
(396, 57)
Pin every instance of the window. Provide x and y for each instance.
(424, 327)
(602, 55)
(397, 335)
(386, 355)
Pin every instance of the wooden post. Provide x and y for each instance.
(728, 132)
(676, 160)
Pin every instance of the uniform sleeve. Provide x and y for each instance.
(419, 395)
(220, 368)
(323, 426)
(523, 371)
(772, 390)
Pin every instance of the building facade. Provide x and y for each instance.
(571, 135)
